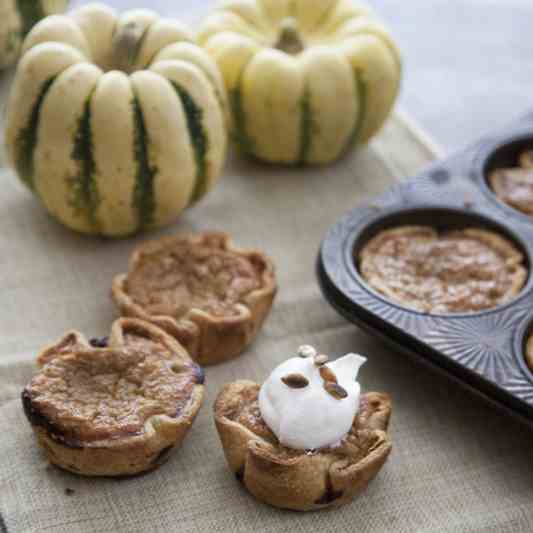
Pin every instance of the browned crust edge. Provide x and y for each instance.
(512, 255)
(123, 456)
(304, 482)
(209, 339)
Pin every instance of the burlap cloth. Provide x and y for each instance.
(457, 465)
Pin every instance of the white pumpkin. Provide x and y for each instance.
(116, 123)
(18, 17)
(307, 79)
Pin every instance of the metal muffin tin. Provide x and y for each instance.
(483, 351)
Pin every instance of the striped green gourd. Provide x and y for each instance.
(307, 79)
(116, 122)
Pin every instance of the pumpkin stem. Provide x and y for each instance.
(289, 40)
(126, 43)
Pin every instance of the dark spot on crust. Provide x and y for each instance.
(329, 495)
(69, 491)
(162, 456)
(36, 418)
(199, 374)
(240, 474)
(99, 343)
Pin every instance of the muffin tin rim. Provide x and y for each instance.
(481, 161)
(468, 347)
(349, 245)
(521, 334)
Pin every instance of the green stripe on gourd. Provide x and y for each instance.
(31, 11)
(306, 127)
(199, 140)
(239, 135)
(26, 141)
(143, 192)
(360, 97)
(12, 42)
(85, 197)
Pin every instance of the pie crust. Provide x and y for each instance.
(457, 271)
(301, 480)
(210, 295)
(115, 410)
(514, 186)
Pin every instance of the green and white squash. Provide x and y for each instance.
(307, 79)
(116, 122)
(18, 17)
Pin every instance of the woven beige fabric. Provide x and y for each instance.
(457, 465)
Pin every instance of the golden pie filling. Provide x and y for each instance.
(449, 272)
(186, 274)
(90, 396)
(514, 186)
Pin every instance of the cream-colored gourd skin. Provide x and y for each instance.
(190, 53)
(196, 84)
(114, 160)
(168, 150)
(116, 122)
(303, 106)
(97, 22)
(56, 171)
(13, 24)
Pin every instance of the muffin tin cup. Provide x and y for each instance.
(483, 351)
(502, 152)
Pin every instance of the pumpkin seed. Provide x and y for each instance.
(295, 381)
(327, 374)
(335, 390)
(306, 350)
(320, 360)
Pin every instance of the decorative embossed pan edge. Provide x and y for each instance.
(481, 351)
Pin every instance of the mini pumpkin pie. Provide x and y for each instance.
(514, 186)
(117, 406)
(210, 295)
(306, 439)
(456, 271)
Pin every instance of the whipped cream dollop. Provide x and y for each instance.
(309, 404)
